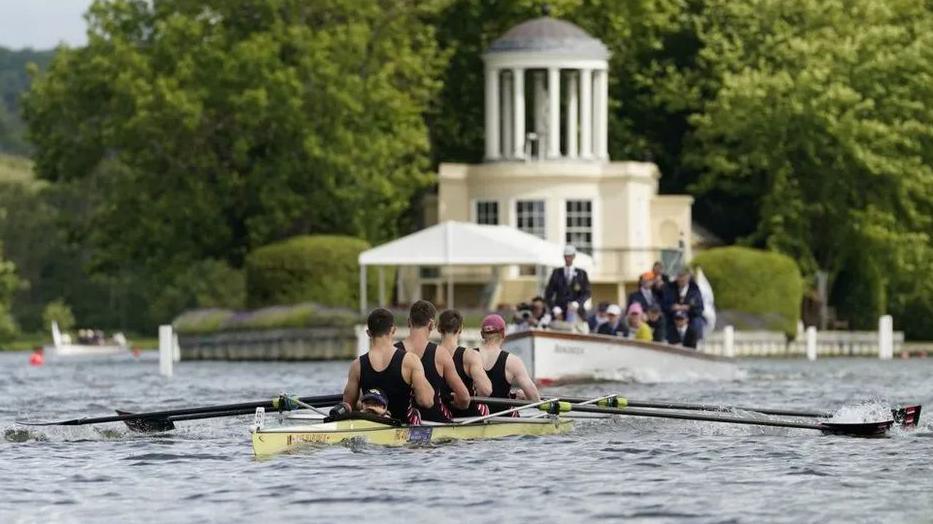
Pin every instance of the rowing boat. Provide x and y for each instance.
(273, 440)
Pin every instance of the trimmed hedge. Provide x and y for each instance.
(322, 269)
(761, 283)
(305, 315)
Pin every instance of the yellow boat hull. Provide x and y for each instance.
(269, 441)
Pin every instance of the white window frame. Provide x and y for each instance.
(568, 230)
(474, 209)
(543, 227)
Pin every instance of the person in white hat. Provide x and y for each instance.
(568, 284)
(614, 326)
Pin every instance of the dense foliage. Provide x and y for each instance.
(756, 282)
(14, 80)
(187, 134)
(9, 282)
(321, 269)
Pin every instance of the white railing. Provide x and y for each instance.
(775, 344)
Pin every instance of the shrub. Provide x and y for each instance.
(321, 269)
(58, 311)
(761, 283)
(205, 284)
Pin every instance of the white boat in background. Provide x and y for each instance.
(63, 347)
(558, 357)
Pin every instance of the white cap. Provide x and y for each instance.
(614, 309)
(569, 250)
(557, 310)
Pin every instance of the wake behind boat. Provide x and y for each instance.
(62, 345)
(557, 357)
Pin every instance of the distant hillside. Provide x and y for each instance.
(13, 82)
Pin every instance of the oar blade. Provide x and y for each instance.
(146, 424)
(908, 416)
(857, 429)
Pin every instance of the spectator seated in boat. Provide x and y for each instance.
(683, 333)
(572, 320)
(658, 270)
(599, 317)
(688, 299)
(657, 323)
(644, 296)
(613, 325)
(521, 320)
(539, 314)
(638, 329)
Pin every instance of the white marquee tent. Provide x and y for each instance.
(463, 244)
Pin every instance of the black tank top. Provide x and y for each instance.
(501, 388)
(473, 410)
(439, 412)
(391, 382)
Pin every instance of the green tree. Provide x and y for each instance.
(59, 312)
(821, 117)
(9, 283)
(214, 127)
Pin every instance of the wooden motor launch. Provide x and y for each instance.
(557, 357)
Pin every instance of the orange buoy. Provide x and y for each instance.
(135, 352)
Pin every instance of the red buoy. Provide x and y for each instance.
(37, 358)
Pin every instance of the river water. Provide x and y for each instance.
(635, 469)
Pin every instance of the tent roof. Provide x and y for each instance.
(468, 244)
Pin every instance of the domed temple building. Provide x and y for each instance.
(547, 172)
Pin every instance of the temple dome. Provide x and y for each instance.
(546, 34)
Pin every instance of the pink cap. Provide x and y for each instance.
(635, 308)
(493, 323)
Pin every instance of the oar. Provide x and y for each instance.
(866, 429)
(162, 420)
(907, 416)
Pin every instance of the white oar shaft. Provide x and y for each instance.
(309, 406)
(505, 412)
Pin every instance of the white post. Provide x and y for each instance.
(165, 350)
(362, 339)
(572, 106)
(886, 337)
(492, 114)
(811, 343)
(553, 127)
(518, 112)
(729, 339)
(586, 113)
(363, 298)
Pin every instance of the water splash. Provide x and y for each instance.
(868, 411)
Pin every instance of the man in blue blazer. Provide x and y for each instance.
(568, 284)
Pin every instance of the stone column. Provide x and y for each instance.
(572, 104)
(602, 144)
(540, 114)
(518, 112)
(553, 127)
(492, 114)
(586, 113)
(507, 118)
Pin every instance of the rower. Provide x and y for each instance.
(374, 402)
(396, 373)
(438, 365)
(503, 368)
(469, 364)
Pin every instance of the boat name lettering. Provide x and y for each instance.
(419, 434)
(573, 350)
